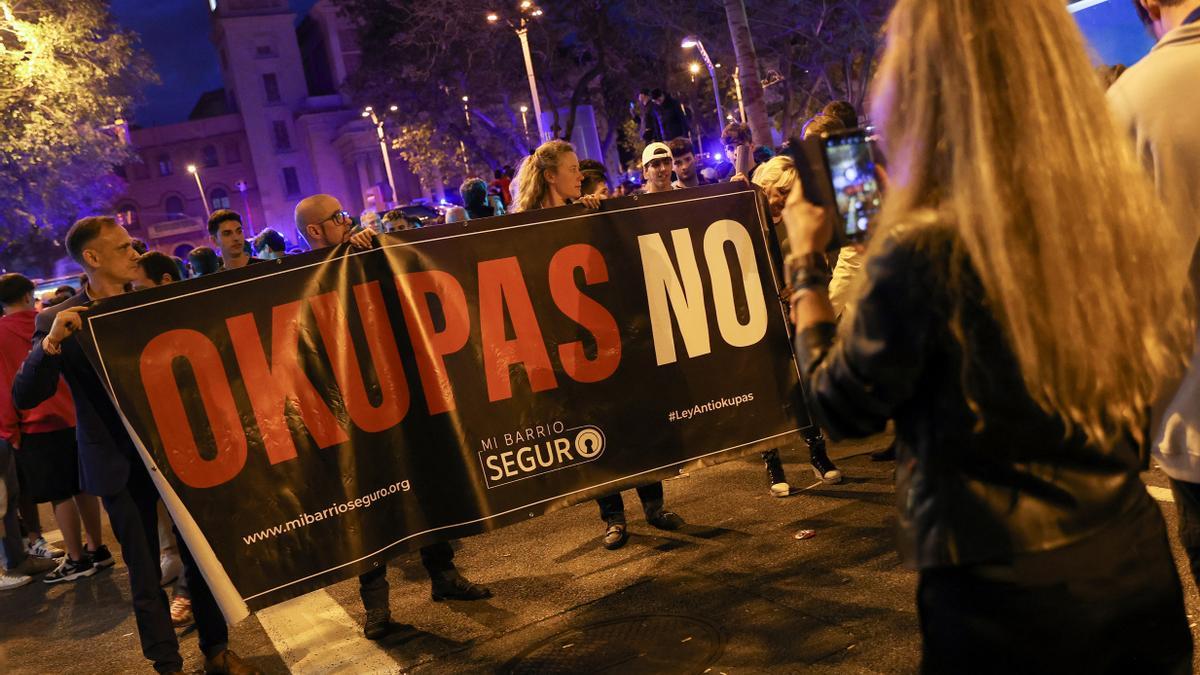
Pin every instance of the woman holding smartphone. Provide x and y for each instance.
(1022, 308)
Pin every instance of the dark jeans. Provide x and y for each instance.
(1112, 604)
(133, 513)
(373, 587)
(612, 507)
(14, 548)
(1187, 505)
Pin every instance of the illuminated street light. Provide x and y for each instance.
(383, 148)
(692, 41)
(191, 168)
(242, 187)
(394, 108)
(525, 122)
(520, 25)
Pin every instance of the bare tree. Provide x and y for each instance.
(748, 72)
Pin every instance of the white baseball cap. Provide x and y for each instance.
(656, 150)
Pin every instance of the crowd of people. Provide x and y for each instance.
(1024, 315)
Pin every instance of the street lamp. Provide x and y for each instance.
(525, 122)
(462, 146)
(387, 160)
(692, 41)
(191, 168)
(737, 90)
(242, 187)
(528, 11)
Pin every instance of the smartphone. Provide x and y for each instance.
(838, 172)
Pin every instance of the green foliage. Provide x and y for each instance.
(427, 152)
(67, 73)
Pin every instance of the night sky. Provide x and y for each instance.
(175, 34)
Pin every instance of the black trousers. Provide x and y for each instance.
(133, 513)
(1187, 504)
(14, 548)
(1118, 608)
(612, 507)
(373, 586)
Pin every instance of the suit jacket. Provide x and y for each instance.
(105, 449)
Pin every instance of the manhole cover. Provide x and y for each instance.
(637, 644)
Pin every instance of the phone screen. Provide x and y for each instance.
(855, 183)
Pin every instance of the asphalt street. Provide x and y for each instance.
(735, 591)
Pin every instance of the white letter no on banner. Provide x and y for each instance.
(682, 294)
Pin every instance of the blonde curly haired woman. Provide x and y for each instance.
(551, 177)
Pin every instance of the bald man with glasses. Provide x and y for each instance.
(324, 223)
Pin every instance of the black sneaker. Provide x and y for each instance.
(615, 536)
(101, 557)
(665, 520)
(454, 586)
(378, 624)
(70, 570)
(823, 467)
(776, 478)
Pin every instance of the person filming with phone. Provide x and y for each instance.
(1016, 336)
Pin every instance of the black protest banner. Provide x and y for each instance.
(310, 417)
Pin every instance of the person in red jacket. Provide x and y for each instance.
(43, 440)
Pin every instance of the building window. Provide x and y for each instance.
(282, 140)
(271, 85)
(164, 165)
(264, 51)
(218, 199)
(233, 153)
(209, 153)
(127, 215)
(174, 206)
(291, 183)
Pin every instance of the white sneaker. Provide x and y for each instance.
(171, 567)
(10, 580)
(40, 548)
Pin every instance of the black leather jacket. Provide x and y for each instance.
(971, 489)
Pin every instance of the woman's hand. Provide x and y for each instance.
(808, 228)
(592, 202)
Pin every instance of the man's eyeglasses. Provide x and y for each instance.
(339, 218)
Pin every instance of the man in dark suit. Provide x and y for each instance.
(108, 460)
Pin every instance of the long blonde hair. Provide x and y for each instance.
(994, 124)
(530, 188)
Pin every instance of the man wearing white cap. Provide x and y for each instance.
(656, 168)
